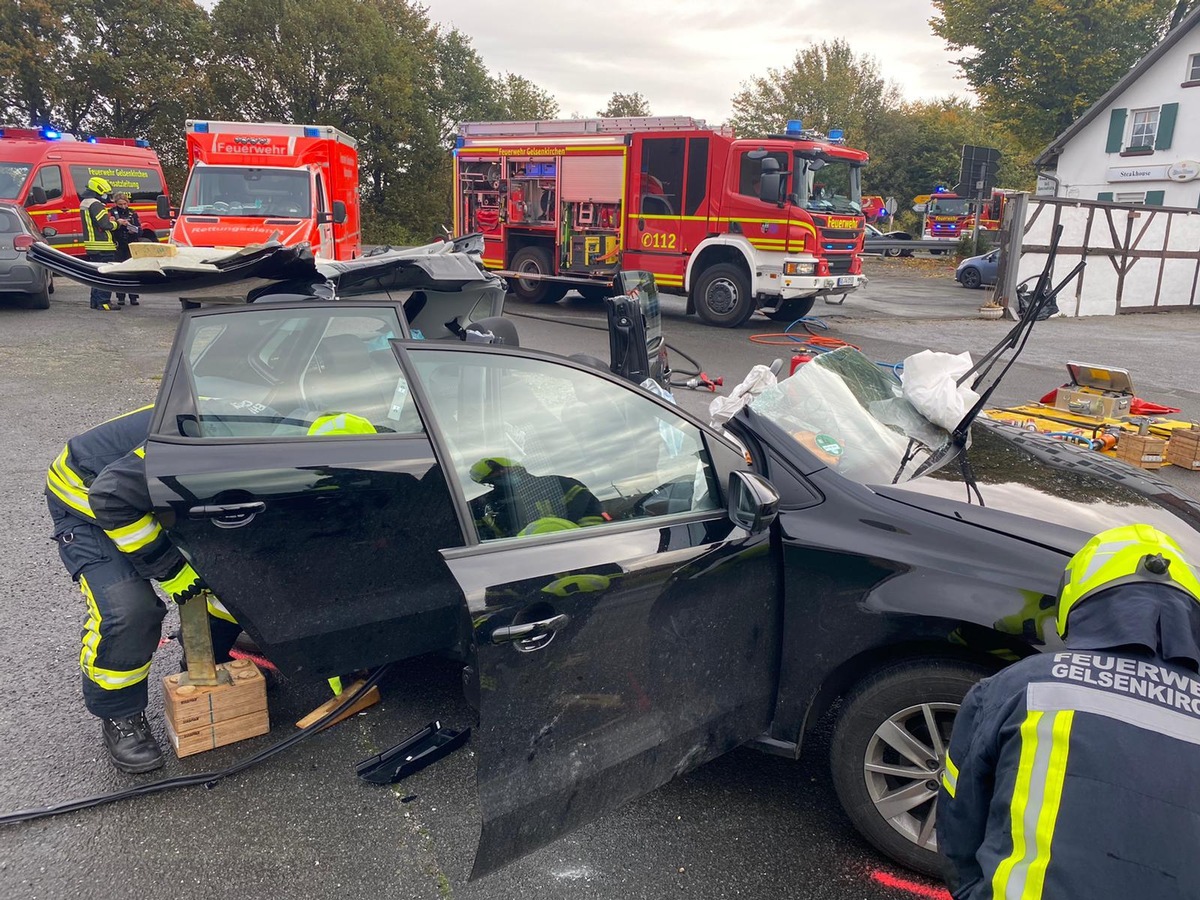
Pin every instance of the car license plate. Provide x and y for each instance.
(845, 279)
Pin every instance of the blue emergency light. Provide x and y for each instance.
(200, 127)
(141, 142)
(836, 134)
(939, 189)
(51, 134)
(312, 131)
(794, 126)
(91, 139)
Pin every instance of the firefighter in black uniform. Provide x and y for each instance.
(99, 244)
(1077, 773)
(112, 545)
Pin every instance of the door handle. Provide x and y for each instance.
(529, 634)
(228, 515)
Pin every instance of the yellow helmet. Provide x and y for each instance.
(99, 186)
(1125, 555)
(340, 423)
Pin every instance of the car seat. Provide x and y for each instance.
(347, 379)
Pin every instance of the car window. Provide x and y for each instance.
(10, 222)
(290, 373)
(539, 446)
(49, 179)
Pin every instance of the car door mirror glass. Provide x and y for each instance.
(753, 501)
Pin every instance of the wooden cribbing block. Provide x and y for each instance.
(201, 718)
(1183, 449)
(1143, 451)
(370, 698)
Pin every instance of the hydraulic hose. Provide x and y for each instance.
(208, 779)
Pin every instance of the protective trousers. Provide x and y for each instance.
(98, 298)
(124, 622)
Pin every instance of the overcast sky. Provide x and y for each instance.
(689, 57)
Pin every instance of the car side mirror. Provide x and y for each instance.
(163, 204)
(37, 196)
(753, 501)
(339, 212)
(49, 231)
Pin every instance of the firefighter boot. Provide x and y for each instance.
(131, 744)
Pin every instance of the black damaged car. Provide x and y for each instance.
(631, 591)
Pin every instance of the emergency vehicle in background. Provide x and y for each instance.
(733, 224)
(946, 215)
(46, 171)
(992, 213)
(251, 182)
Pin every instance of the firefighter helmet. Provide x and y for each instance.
(340, 423)
(99, 186)
(1126, 555)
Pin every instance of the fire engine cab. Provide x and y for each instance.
(46, 171)
(733, 224)
(946, 215)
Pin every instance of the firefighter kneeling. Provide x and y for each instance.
(1077, 773)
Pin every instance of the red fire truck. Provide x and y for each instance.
(733, 224)
(992, 213)
(249, 182)
(46, 170)
(947, 216)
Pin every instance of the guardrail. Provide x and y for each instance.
(877, 247)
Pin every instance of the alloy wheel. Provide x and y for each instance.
(903, 769)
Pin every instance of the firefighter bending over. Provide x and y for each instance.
(1077, 773)
(112, 545)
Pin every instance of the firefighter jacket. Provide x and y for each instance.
(1077, 773)
(98, 225)
(100, 478)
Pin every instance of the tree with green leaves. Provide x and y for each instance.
(623, 106)
(1037, 65)
(918, 146)
(826, 86)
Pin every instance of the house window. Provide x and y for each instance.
(1145, 128)
(1194, 67)
(1131, 198)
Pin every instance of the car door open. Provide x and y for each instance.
(287, 462)
(626, 629)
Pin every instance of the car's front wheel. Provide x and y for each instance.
(970, 277)
(888, 751)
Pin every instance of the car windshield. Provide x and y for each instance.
(954, 206)
(852, 415)
(12, 177)
(249, 192)
(826, 184)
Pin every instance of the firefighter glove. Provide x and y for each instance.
(184, 584)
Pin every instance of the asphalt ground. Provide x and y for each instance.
(301, 824)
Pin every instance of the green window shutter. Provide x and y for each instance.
(1105, 196)
(1116, 131)
(1166, 126)
(1155, 198)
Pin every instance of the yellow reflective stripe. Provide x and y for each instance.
(1051, 802)
(74, 498)
(1020, 799)
(179, 583)
(68, 474)
(140, 452)
(1037, 797)
(133, 537)
(132, 412)
(108, 679)
(217, 608)
(950, 777)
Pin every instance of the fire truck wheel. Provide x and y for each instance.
(723, 296)
(791, 310)
(535, 261)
